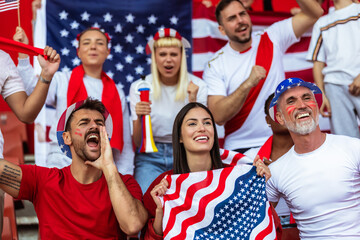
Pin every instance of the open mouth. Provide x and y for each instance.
(201, 139)
(302, 115)
(242, 28)
(93, 140)
(168, 67)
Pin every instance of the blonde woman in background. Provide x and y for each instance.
(172, 88)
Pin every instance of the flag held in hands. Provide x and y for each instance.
(6, 5)
(228, 203)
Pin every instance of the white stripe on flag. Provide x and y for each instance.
(296, 62)
(5, 6)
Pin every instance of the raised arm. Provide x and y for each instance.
(310, 13)
(319, 81)
(130, 212)
(10, 178)
(26, 108)
(225, 107)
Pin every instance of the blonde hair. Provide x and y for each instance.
(183, 76)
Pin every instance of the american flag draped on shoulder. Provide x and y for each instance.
(129, 23)
(228, 203)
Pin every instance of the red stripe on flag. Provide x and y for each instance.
(301, 46)
(203, 203)
(269, 229)
(201, 11)
(306, 75)
(225, 154)
(207, 44)
(236, 158)
(178, 183)
(189, 197)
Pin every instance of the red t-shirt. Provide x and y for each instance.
(67, 209)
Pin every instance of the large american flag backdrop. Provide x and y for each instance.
(132, 23)
(228, 203)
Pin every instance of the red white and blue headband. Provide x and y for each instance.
(291, 83)
(166, 32)
(65, 117)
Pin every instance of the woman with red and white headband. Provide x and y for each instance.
(172, 87)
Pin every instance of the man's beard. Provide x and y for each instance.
(235, 38)
(302, 128)
(82, 152)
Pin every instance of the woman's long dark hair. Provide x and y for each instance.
(179, 153)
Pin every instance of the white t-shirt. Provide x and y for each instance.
(165, 109)
(321, 188)
(57, 97)
(10, 83)
(335, 41)
(229, 69)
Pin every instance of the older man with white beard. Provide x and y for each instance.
(319, 177)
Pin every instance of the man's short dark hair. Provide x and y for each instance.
(89, 103)
(221, 6)
(267, 104)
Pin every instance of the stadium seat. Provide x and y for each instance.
(13, 146)
(9, 123)
(9, 212)
(6, 234)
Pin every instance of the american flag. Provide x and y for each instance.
(6, 5)
(228, 203)
(130, 25)
(234, 158)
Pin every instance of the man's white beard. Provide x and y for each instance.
(304, 127)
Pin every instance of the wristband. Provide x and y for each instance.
(44, 80)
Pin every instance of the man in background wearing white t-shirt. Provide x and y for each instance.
(319, 177)
(245, 71)
(335, 51)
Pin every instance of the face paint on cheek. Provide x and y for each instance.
(77, 132)
(312, 104)
(290, 109)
